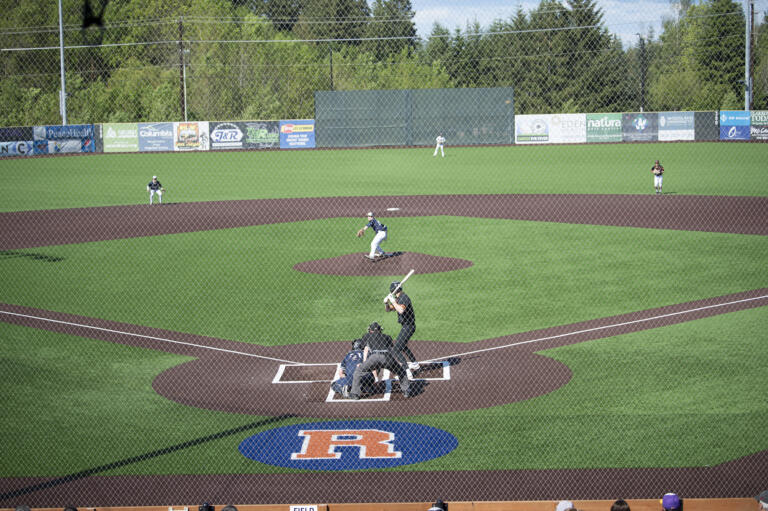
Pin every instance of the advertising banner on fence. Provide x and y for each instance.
(297, 134)
(265, 135)
(191, 136)
(245, 135)
(551, 129)
(72, 138)
(15, 134)
(604, 128)
(759, 125)
(157, 136)
(16, 148)
(676, 126)
(734, 125)
(640, 127)
(120, 137)
(706, 125)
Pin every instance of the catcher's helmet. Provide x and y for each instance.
(357, 344)
(374, 327)
(393, 287)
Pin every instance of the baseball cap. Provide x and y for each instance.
(374, 327)
(154, 177)
(370, 213)
(670, 501)
(563, 505)
(763, 499)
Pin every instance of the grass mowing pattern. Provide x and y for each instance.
(240, 284)
(709, 168)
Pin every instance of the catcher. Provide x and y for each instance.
(381, 235)
(658, 176)
(154, 187)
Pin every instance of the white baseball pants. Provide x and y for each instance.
(377, 239)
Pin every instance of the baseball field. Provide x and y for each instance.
(580, 336)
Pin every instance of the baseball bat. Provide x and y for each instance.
(402, 281)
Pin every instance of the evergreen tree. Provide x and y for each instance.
(392, 28)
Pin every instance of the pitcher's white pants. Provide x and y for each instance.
(377, 239)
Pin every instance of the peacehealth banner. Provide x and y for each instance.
(72, 138)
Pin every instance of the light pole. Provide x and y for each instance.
(641, 47)
(63, 92)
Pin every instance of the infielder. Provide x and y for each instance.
(378, 354)
(440, 141)
(154, 187)
(381, 235)
(398, 301)
(658, 176)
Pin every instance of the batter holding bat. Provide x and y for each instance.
(398, 301)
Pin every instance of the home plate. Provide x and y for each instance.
(393, 209)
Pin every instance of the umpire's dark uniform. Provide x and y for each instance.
(379, 356)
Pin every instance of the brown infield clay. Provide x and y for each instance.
(237, 377)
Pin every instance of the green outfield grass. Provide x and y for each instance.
(100, 180)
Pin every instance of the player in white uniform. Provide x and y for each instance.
(440, 141)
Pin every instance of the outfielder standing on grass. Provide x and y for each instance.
(381, 235)
(658, 176)
(154, 187)
(398, 301)
(440, 141)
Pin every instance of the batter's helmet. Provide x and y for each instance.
(357, 344)
(393, 287)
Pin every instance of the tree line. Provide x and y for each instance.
(155, 60)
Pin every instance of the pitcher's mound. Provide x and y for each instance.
(399, 264)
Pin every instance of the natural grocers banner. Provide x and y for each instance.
(604, 128)
(759, 124)
(551, 129)
(120, 137)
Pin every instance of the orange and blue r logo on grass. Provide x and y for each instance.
(348, 445)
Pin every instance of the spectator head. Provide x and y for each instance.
(620, 505)
(564, 505)
(438, 506)
(763, 499)
(670, 502)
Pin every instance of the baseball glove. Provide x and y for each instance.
(162, 189)
(360, 233)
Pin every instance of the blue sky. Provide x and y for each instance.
(624, 18)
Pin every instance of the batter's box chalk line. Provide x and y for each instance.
(387, 378)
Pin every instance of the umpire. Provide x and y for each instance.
(376, 355)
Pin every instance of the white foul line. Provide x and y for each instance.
(149, 337)
(567, 334)
(605, 327)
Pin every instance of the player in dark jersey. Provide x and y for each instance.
(154, 187)
(398, 301)
(378, 355)
(380, 235)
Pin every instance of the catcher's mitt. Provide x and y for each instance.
(162, 189)
(360, 233)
